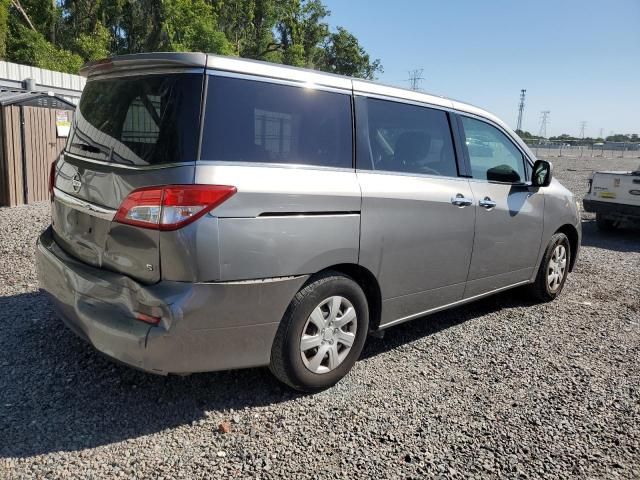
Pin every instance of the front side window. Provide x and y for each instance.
(260, 122)
(492, 155)
(406, 138)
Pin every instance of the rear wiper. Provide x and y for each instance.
(87, 148)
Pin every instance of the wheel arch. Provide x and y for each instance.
(369, 284)
(572, 234)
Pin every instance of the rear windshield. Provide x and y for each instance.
(142, 120)
(260, 122)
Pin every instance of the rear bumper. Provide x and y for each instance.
(616, 210)
(203, 327)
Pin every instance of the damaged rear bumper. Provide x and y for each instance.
(203, 326)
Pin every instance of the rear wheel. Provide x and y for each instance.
(322, 333)
(554, 269)
(605, 224)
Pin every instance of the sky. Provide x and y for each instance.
(580, 59)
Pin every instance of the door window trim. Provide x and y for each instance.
(467, 159)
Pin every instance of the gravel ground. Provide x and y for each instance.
(497, 388)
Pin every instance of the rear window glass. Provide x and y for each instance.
(251, 121)
(145, 120)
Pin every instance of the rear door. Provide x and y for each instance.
(128, 132)
(417, 212)
(509, 218)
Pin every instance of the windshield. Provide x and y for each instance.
(142, 120)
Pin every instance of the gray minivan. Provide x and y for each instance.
(214, 213)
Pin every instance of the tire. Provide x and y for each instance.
(541, 289)
(605, 224)
(326, 296)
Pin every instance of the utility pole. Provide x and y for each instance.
(415, 79)
(543, 123)
(583, 126)
(521, 109)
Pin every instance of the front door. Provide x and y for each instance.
(509, 212)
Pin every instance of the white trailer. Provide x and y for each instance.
(614, 197)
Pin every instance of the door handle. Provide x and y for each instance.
(461, 201)
(487, 203)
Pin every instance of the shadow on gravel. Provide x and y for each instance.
(421, 327)
(58, 394)
(626, 239)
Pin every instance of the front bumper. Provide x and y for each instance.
(203, 327)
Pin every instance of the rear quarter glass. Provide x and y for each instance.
(261, 122)
(139, 120)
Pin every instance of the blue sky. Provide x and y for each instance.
(578, 59)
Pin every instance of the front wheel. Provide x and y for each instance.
(321, 334)
(553, 270)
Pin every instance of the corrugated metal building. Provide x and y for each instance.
(65, 85)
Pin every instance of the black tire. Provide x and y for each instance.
(540, 289)
(286, 359)
(605, 224)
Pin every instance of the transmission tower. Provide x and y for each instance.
(583, 126)
(521, 109)
(544, 119)
(415, 79)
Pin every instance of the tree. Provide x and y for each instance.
(618, 138)
(192, 25)
(302, 32)
(249, 26)
(344, 55)
(31, 48)
(4, 26)
(61, 34)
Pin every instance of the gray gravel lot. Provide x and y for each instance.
(501, 387)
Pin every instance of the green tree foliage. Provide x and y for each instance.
(344, 55)
(191, 25)
(94, 45)
(69, 32)
(32, 48)
(619, 137)
(4, 26)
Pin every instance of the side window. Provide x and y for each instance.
(492, 155)
(406, 138)
(251, 121)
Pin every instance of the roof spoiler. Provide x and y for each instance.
(144, 61)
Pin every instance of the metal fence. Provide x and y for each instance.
(589, 151)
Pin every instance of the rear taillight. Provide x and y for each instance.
(171, 207)
(52, 179)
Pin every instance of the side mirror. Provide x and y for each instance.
(541, 174)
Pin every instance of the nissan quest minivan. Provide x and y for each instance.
(215, 213)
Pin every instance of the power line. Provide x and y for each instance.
(543, 123)
(521, 109)
(583, 126)
(415, 79)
